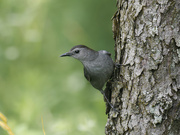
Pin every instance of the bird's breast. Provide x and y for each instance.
(98, 72)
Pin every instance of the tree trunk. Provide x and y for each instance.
(146, 87)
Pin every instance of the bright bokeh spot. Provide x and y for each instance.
(11, 53)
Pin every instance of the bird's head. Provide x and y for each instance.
(82, 53)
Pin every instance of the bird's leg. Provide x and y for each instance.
(108, 101)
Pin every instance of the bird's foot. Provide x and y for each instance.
(115, 110)
(117, 65)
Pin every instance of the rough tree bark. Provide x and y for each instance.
(146, 88)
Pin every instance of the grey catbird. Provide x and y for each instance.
(98, 65)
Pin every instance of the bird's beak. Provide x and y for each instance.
(66, 54)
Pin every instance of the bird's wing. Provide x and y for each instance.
(86, 74)
(105, 52)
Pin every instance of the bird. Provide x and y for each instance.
(98, 66)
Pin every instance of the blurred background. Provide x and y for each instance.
(35, 82)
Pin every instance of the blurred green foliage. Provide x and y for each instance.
(35, 82)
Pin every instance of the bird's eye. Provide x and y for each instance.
(76, 51)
